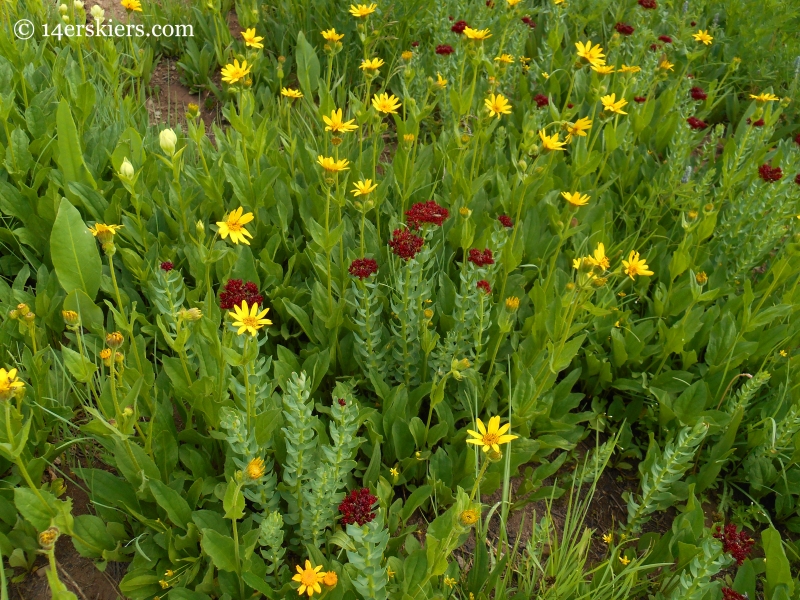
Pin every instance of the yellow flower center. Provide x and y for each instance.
(234, 225)
(249, 321)
(490, 439)
(308, 577)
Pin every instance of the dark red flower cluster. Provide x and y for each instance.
(480, 259)
(414, 44)
(698, 93)
(759, 123)
(655, 47)
(693, 23)
(729, 594)
(769, 174)
(167, 266)
(426, 212)
(357, 507)
(489, 3)
(363, 267)
(444, 49)
(737, 543)
(342, 402)
(696, 123)
(405, 244)
(639, 99)
(797, 179)
(570, 105)
(484, 286)
(236, 292)
(459, 27)
(648, 4)
(528, 21)
(505, 221)
(541, 100)
(665, 38)
(797, 139)
(624, 28)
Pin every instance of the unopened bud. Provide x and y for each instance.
(167, 139)
(126, 171)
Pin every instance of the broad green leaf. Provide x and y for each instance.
(778, 570)
(220, 549)
(307, 66)
(70, 155)
(74, 252)
(171, 501)
(81, 367)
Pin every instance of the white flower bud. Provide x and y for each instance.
(63, 8)
(167, 139)
(126, 171)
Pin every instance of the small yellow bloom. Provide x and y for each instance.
(390, 573)
(394, 472)
(468, 517)
(557, 2)
(331, 35)
(702, 36)
(512, 304)
(666, 65)
(497, 105)
(407, 55)
(331, 165)
(132, 5)
(636, 266)
(337, 124)
(551, 142)
(579, 128)
(624, 560)
(232, 73)
(364, 187)
(361, 11)
(9, 383)
(386, 103)
(491, 437)
(251, 39)
(233, 226)
(593, 54)
(70, 317)
(632, 69)
(291, 93)
(330, 579)
(104, 233)
(783, 353)
(764, 97)
(248, 319)
(441, 81)
(599, 258)
(371, 64)
(545, 74)
(164, 584)
(256, 467)
(309, 578)
(477, 35)
(513, 2)
(409, 137)
(611, 104)
(603, 69)
(576, 198)
(505, 59)
(701, 278)
(607, 538)
(449, 581)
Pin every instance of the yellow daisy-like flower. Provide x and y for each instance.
(513, 2)
(364, 187)
(666, 65)
(386, 103)
(576, 198)
(232, 73)
(631, 69)
(9, 383)
(103, 232)
(603, 69)
(291, 93)
(248, 319)
(331, 35)
(607, 538)
(611, 104)
(599, 258)
(255, 468)
(579, 127)
(330, 579)
(477, 35)
(497, 105)
(337, 124)
(764, 97)
(331, 165)
(703, 36)
(394, 472)
(557, 2)
(362, 10)
(636, 266)
(407, 55)
(309, 578)
(440, 81)
(593, 54)
(505, 59)
(251, 39)
(546, 75)
(491, 437)
(624, 560)
(449, 581)
(233, 226)
(551, 142)
(132, 5)
(371, 64)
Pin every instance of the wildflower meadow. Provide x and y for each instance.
(400, 300)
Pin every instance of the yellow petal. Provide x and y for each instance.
(480, 425)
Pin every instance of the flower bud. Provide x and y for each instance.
(126, 171)
(191, 314)
(63, 9)
(701, 278)
(200, 228)
(512, 304)
(47, 538)
(70, 317)
(98, 13)
(127, 411)
(468, 517)
(29, 317)
(105, 356)
(464, 212)
(114, 340)
(167, 140)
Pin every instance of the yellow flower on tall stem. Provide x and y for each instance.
(105, 233)
(233, 226)
(132, 5)
(599, 258)
(576, 198)
(371, 64)
(309, 579)
(506, 59)
(337, 124)
(248, 318)
(703, 37)
(9, 383)
(497, 105)
(579, 127)
(666, 65)
(551, 142)
(234, 72)
(477, 35)
(362, 10)
(441, 82)
(364, 187)
(251, 39)
(491, 437)
(764, 97)
(636, 266)
(611, 104)
(593, 54)
(632, 69)
(603, 69)
(330, 35)
(386, 103)
(291, 93)
(331, 165)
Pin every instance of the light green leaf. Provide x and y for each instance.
(74, 252)
(220, 549)
(70, 156)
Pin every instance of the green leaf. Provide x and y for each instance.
(90, 314)
(171, 501)
(415, 500)
(220, 549)
(307, 66)
(81, 367)
(70, 156)
(92, 537)
(74, 252)
(777, 565)
(233, 503)
(374, 468)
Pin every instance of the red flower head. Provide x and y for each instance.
(665, 38)
(236, 292)
(405, 244)
(639, 99)
(729, 594)
(541, 100)
(480, 259)
(737, 544)
(693, 23)
(696, 123)
(529, 22)
(655, 47)
(167, 266)
(505, 221)
(648, 4)
(769, 174)
(624, 28)
(459, 27)
(797, 139)
(489, 3)
(797, 179)
(484, 286)
(570, 105)
(426, 212)
(342, 402)
(357, 507)
(698, 93)
(444, 49)
(414, 44)
(759, 123)
(363, 267)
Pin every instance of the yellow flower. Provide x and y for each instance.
(702, 36)
(364, 187)
(105, 356)
(666, 65)
(551, 142)
(599, 258)
(331, 35)
(233, 225)
(409, 137)
(512, 304)
(764, 97)
(491, 437)
(291, 93)
(576, 198)
(593, 54)
(372, 64)
(497, 105)
(626, 69)
(362, 10)
(251, 39)
(577, 263)
(783, 353)
(607, 538)
(330, 579)
(390, 573)
(231, 73)
(513, 2)
(557, 2)
(164, 584)
(611, 104)
(248, 319)
(546, 75)
(603, 69)
(624, 560)
(579, 127)
(407, 55)
(385, 103)
(104, 233)
(331, 165)
(9, 383)
(468, 517)
(309, 578)
(394, 472)
(504, 58)
(114, 340)
(255, 468)
(524, 60)
(70, 317)
(701, 278)
(441, 81)
(636, 266)
(449, 581)
(337, 124)
(478, 35)
(132, 5)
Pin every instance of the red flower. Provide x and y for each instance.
(480, 259)
(665, 38)
(414, 44)
(236, 292)
(769, 174)
(426, 212)
(459, 26)
(797, 139)
(167, 266)
(357, 507)
(797, 179)
(505, 220)
(639, 99)
(529, 22)
(363, 267)
(342, 402)
(696, 123)
(541, 100)
(698, 93)
(729, 594)
(648, 4)
(444, 49)
(693, 23)
(624, 28)
(489, 3)
(759, 123)
(737, 544)
(484, 286)
(570, 105)
(405, 244)
(655, 47)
